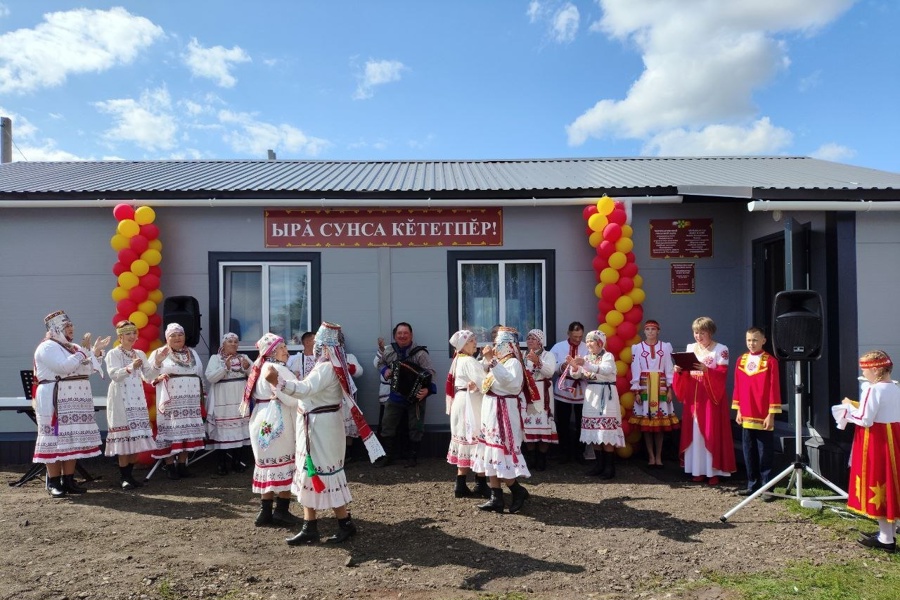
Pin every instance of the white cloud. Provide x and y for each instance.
(48, 152)
(565, 23)
(71, 42)
(761, 137)
(246, 135)
(214, 63)
(703, 60)
(378, 72)
(833, 152)
(148, 122)
(4, 11)
(534, 11)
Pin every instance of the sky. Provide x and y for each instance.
(467, 79)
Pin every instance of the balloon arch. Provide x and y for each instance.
(619, 298)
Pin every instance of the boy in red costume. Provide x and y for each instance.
(757, 399)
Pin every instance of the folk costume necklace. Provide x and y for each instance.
(182, 358)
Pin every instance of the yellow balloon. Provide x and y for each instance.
(155, 296)
(634, 340)
(119, 293)
(155, 245)
(607, 329)
(128, 280)
(148, 307)
(625, 451)
(638, 281)
(152, 257)
(625, 354)
(617, 260)
(627, 231)
(605, 205)
(151, 412)
(624, 244)
(614, 318)
(595, 238)
(119, 242)
(627, 400)
(638, 295)
(155, 344)
(609, 275)
(597, 222)
(621, 368)
(624, 304)
(128, 228)
(138, 318)
(140, 267)
(597, 289)
(633, 437)
(144, 215)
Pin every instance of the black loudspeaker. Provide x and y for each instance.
(184, 310)
(797, 326)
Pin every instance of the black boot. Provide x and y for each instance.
(346, 530)
(238, 460)
(599, 465)
(610, 471)
(171, 470)
(462, 490)
(481, 487)
(183, 470)
(495, 504)
(222, 466)
(540, 461)
(309, 534)
(519, 495)
(55, 488)
(69, 485)
(412, 459)
(128, 481)
(388, 458)
(282, 515)
(264, 518)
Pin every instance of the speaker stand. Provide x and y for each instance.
(797, 469)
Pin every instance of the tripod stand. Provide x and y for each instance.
(796, 470)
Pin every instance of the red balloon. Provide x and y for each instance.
(119, 317)
(142, 344)
(606, 247)
(123, 211)
(635, 315)
(137, 294)
(614, 344)
(149, 332)
(612, 232)
(605, 306)
(599, 263)
(626, 330)
(629, 256)
(611, 292)
(119, 268)
(623, 384)
(626, 284)
(150, 231)
(149, 281)
(618, 204)
(139, 243)
(629, 270)
(626, 427)
(618, 216)
(126, 306)
(589, 210)
(155, 319)
(155, 270)
(128, 256)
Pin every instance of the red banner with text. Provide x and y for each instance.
(379, 227)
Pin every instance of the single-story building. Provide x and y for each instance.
(282, 244)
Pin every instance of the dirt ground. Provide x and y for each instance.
(643, 535)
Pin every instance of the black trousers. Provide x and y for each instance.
(568, 435)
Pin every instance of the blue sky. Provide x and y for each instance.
(469, 79)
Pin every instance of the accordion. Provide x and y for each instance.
(408, 378)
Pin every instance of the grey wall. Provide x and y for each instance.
(878, 282)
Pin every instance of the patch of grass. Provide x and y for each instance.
(166, 592)
(858, 580)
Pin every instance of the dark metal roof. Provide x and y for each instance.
(772, 177)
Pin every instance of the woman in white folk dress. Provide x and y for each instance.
(227, 431)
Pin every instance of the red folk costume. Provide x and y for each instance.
(707, 413)
(874, 478)
(757, 392)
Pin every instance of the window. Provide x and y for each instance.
(265, 292)
(501, 287)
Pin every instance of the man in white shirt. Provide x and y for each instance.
(569, 396)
